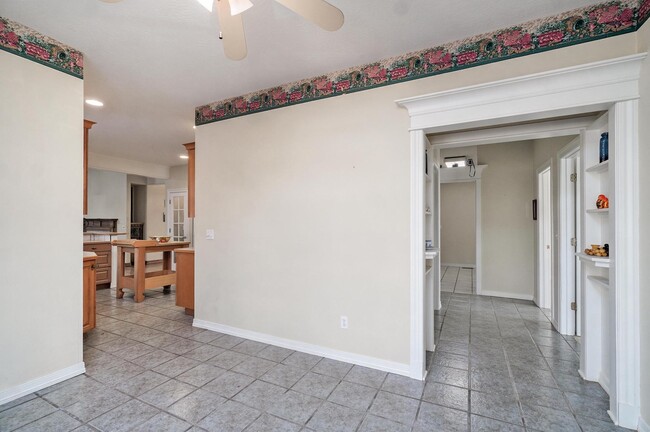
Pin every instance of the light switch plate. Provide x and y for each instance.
(209, 234)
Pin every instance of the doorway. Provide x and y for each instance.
(544, 294)
(177, 221)
(530, 99)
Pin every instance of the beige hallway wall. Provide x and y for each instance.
(458, 224)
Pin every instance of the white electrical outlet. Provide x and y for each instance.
(344, 322)
(209, 234)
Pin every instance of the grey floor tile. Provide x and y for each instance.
(58, 421)
(154, 358)
(295, 407)
(204, 353)
(589, 424)
(134, 351)
(446, 395)
(254, 367)
(142, 383)
(366, 376)
(162, 422)
(446, 375)
(260, 395)
(249, 347)
(17, 402)
(377, 424)
(176, 366)
(206, 336)
(335, 418)
(274, 353)
(302, 360)
(549, 420)
(200, 375)
(228, 384)
(166, 394)
(284, 375)
(437, 418)
(457, 361)
(196, 405)
(353, 395)
(333, 368)
(269, 423)
(227, 341)
(531, 394)
(404, 386)
(93, 405)
(395, 407)
(125, 418)
(228, 359)
(230, 417)
(586, 406)
(182, 347)
(320, 386)
(483, 424)
(496, 406)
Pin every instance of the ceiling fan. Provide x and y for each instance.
(319, 12)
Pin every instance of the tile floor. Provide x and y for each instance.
(498, 367)
(457, 280)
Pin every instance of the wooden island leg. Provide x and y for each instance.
(119, 292)
(167, 265)
(139, 274)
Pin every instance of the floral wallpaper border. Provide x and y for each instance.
(577, 26)
(28, 43)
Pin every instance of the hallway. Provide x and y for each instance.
(148, 369)
(457, 280)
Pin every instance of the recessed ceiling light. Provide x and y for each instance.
(184, 157)
(94, 102)
(193, 127)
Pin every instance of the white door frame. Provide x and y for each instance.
(541, 272)
(610, 85)
(569, 266)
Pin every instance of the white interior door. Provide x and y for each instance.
(177, 220)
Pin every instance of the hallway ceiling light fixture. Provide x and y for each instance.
(94, 102)
(231, 26)
(455, 161)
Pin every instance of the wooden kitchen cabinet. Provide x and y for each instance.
(185, 279)
(190, 147)
(103, 265)
(89, 261)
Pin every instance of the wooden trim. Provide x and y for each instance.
(190, 179)
(87, 126)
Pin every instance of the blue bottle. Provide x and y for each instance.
(604, 147)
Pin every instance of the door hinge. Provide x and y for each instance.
(574, 306)
(573, 242)
(573, 178)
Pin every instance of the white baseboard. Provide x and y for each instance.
(358, 359)
(643, 425)
(457, 265)
(40, 383)
(629, 417)
(507, 295)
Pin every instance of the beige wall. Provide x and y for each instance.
(41, 113)
(310, 207)
(644, 236)
(107, 196)
(177, 177)
(507, 229)
(458, 223)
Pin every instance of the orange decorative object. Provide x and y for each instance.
(602, 202)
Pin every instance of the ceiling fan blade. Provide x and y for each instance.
(319, 12)
(232, 31)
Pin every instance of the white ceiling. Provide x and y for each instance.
(153, 61)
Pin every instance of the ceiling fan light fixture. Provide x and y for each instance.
(239, 6)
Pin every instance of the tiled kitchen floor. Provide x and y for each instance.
(498, 367)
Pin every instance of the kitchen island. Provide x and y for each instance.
(141, 280)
